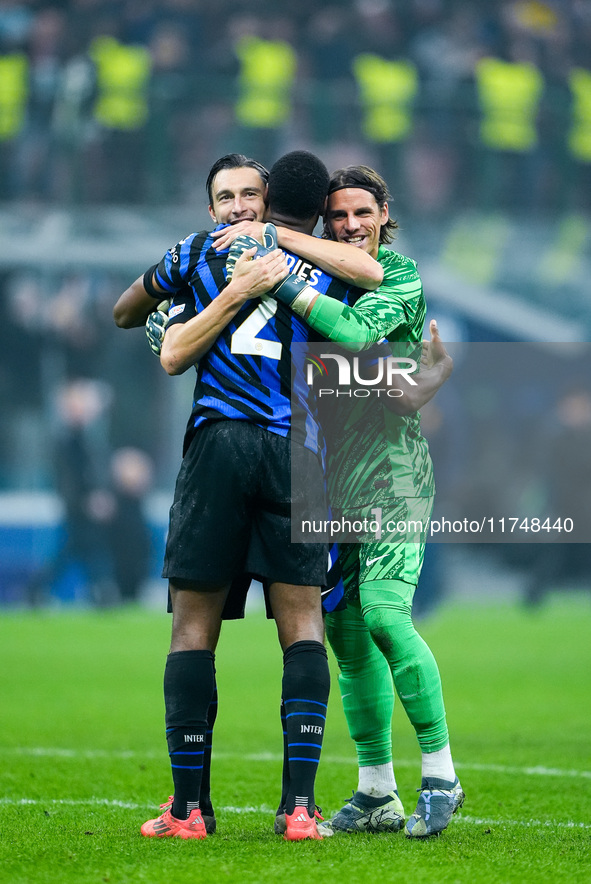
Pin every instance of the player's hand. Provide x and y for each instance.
(252, 278)
(156, 326)
(223, 239)
(434, 352)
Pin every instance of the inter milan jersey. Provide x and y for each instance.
(247, 374)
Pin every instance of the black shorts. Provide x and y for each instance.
(231, 513)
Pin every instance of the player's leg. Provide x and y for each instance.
(279, 824)
(386, 607)
(205, 804)
(202, 555)
(189, 685)
(367, 694)
(294, 573)
(305, 690)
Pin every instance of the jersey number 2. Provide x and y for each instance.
(245, 341)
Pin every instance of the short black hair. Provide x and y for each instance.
(233, 161)
(366, 179)
(298, 185)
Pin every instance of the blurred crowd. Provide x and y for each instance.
(462, 106)
(458, 103)
(106, 540)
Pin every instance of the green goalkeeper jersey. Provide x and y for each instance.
(375, 455)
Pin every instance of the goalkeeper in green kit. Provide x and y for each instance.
(379, 465)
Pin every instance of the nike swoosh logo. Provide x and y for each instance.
(370, 562)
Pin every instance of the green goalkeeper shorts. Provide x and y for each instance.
(393, 548)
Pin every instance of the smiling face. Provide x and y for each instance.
(237, 195)
(354, 217)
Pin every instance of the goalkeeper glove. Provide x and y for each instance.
(156, 326)
(244, 242)
(292, 290)
(270, 237)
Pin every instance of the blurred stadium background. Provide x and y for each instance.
(111, 113)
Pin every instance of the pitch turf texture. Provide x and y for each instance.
(84, 760)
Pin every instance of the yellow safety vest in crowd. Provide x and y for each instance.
(579, 137)
(265, 82)
(122, 74)
(14, 91)
(509, 95)
(387, 90)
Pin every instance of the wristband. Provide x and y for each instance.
(295, 292)
(149, 285)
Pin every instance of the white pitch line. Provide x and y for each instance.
(551, 824)
(125, 754)
(71, 802)
(267, 810)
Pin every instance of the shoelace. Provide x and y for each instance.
(437, 789)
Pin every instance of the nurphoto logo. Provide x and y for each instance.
(366, 373)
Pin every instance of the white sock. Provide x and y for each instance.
(439, 764)
(377, 780)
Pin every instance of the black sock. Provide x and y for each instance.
(204, 794)
(189, 683)
(285, 770)
(306, 685)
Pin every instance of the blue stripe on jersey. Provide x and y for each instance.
(163, 283)
(332, 596)
(245, 386)
(270, 406)
(301, 390)
(185, 254)
(254, 382)
(205, 273)
(173, 268)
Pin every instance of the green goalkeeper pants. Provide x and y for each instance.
(378, 650)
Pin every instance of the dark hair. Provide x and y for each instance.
(366, 179)
(233, 161)
(298, 184)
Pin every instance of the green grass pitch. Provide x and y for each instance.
(83, 756)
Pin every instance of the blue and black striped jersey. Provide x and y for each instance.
(248, 373)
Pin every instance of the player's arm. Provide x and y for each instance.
(186, 343)
(339, 259)
(346, 262)
(159, 282)
(436, 367)
(138, 301)
(374, 316)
